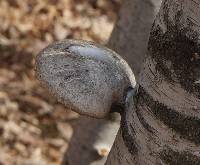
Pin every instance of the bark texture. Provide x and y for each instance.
(129, 38)
(163, 124)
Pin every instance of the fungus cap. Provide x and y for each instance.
(84, 76)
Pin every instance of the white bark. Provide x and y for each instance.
(88, 146)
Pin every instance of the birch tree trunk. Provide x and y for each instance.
(161, 125)
(129, 38)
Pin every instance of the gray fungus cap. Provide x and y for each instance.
(84, 76)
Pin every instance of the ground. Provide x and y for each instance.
(34, 127)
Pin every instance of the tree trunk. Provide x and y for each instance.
(91, 142)
(135, 18)
(162, 123)
(131, 33)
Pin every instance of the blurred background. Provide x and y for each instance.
(34, 127)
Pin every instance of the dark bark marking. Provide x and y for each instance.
(143, 122)
(196, 3)
(186, 127)
(128, 137)
(179, 45)
(172, 157)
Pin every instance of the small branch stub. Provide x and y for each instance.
(86, 77)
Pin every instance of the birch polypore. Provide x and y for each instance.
(88, 78)
(129, 39)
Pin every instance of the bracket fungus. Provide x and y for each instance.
(84, 76)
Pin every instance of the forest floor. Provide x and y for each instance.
(34, 128)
